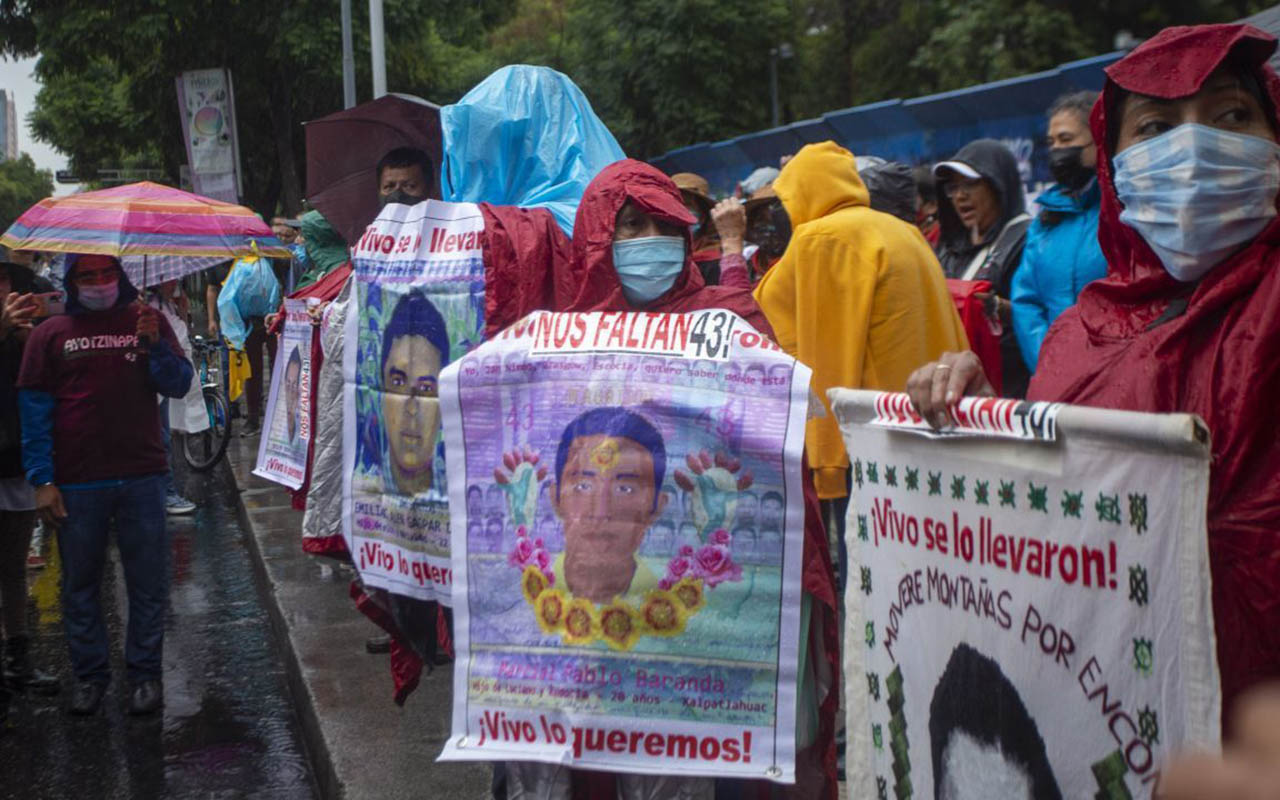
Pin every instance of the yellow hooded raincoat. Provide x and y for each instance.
(858, 296)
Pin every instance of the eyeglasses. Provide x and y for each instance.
(953, 188)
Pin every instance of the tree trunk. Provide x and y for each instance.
(281, 128)
(848, 41)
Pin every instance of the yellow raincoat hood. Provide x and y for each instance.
(820, 179)
(858, 296)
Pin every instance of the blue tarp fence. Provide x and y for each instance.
(918, 131)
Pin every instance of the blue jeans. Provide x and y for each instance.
(137, 507)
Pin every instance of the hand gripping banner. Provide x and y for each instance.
(627, 533)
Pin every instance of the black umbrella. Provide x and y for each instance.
(343, 150)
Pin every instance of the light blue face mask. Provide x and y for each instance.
(648, 266)
(1196, 194)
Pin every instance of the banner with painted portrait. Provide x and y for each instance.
(286, 434)
(627, 537)
(1028, 607)
(418, 305)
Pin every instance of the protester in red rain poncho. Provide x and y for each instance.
(1144, 341)
(654, 194)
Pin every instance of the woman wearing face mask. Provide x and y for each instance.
(1062, 252)
(1186, 320)
(631, 247)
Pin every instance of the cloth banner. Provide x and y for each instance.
(282, 450)
(1028, 606)
(418, 305)
(627, 538)
(207, 107)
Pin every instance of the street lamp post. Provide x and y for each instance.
(348, 59)
(783, 50)
(377, 48)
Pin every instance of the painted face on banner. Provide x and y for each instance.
(771, 510)
(605, 501)
(293, 395)
(411, 410)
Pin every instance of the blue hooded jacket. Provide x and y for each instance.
(170, 375)
(1062, 254)
(524, 136)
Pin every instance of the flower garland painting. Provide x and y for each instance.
(681, 594)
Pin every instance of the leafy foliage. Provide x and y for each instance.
(21, 186)
(661, 73)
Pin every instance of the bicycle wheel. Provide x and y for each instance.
(203, 450)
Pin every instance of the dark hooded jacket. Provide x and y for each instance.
(1140, 340)
(993, 161)
(893, 189)
(22, 281)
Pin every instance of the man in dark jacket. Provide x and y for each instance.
(22, 309)
(984, 221)
(93, 448)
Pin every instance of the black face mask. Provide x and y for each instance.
(1065, 166)
(402, 197)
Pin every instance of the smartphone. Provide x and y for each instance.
(50, 303)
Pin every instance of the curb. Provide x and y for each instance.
(328, 785)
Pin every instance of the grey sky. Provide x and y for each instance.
(16, 77)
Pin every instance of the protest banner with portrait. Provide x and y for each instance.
(627, 538)
(418, 305)
(282, 450)
(1028, 607)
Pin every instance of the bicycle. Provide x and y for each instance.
(203, 450)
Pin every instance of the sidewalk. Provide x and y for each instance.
(360, 744)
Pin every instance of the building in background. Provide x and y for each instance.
(8, 127)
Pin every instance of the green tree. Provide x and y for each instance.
(109, 68)
(664, 74)
(21, 186)
(983, 41)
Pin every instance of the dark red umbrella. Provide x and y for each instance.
(343, 150)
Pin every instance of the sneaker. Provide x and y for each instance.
(35, 561)
(251, 428)
(177, 505)
(86, 698)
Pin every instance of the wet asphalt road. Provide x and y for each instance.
(228, 729)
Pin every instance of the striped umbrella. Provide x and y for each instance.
(143, 219)
(144, 271)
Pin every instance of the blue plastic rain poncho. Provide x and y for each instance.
(251, 290)
(524, 136)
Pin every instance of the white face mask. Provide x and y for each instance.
(98, 298)
(648, 267)
(1197, 194)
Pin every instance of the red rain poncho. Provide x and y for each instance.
(657, 195)
(1127, 344)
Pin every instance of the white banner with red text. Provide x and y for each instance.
(286, 433)
(417, 306)
(1027, 608)
(627, 535)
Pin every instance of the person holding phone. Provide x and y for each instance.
(25, 300)
(92, 446)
